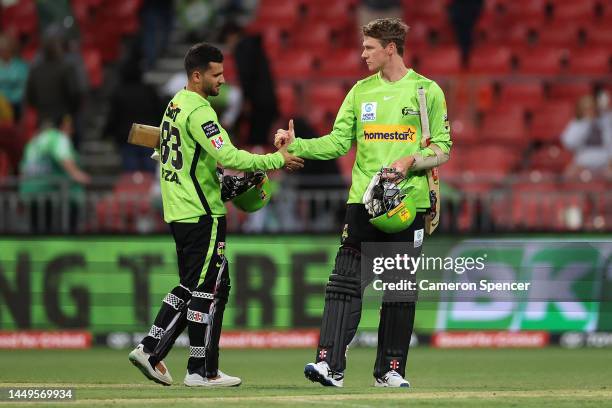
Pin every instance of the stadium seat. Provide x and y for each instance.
(490, 60)
(591, 61)
(548, 122)
(569, 91)
(560, 34)
(286, 100)
(326, 95)
(93, 66)
(540, 60)
(20, 19)
(343, 64)
(491, 162)
(337, 13)
(572, 10)
(527, 94)
(295, 64)
(599, 35)
(464, 131)
(320, 36)
(272, 12)
(521, 10)
(550, 159)
(322, 118)
(424, 10)
(505, 126)
(443, 60)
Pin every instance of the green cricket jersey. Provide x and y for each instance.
(191, 144)
(41, 166)
(383, 119)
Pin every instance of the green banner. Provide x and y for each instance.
(116, 284)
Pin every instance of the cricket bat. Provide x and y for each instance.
(432, 218)
(144, 135)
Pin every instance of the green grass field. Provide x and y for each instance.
(440, 378)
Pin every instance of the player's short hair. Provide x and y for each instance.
(387, 30)
(200, 55)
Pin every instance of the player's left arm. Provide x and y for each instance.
(438, 150)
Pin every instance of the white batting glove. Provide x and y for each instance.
(367, 196)
(155, 156)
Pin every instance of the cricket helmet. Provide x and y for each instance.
(392, 210)
(249, 193)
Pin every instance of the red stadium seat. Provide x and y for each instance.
(271, 12)
(343, 64)
(490, 60)
(326, 95)
(505, 126)
(521, 10)
(599, 34)
(339, 13)
(490, 163)
(295, 64)
(549, 121)
(93, 66)
(550, 158)
(540, 60)
(21, 18)
(528, 94)
(561, 34)
(591, 61)
(572, 10)
(424, 10)
(319, 36)
(569, 91)
(286, 100)
(464, 131)
(443, 60)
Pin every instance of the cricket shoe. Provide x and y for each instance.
(221, 380)
(392, 380)
(321, 373)
(159, 373)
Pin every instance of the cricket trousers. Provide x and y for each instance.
(343, 303)
(198, 302)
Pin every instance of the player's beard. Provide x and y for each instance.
(210, 89)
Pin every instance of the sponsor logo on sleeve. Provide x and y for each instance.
(217, 143)
(389, 133)
(368, 111)
(406, 110)
(210, 129)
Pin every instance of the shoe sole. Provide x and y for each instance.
(213, 385)
(313, 375)
(378, 385)
(144, 370)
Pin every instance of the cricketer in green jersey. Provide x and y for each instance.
(381, 115)
(192, 142)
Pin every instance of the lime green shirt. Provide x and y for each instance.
(192, 142)
(382, 118)
(41, 166)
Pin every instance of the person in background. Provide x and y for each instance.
(464, 15)
(132, 101)
(51, 177)
(256, 81)
(13, 76)
(589, 136)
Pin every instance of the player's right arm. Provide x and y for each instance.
(205, 128)
(333, 145)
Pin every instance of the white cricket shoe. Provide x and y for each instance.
(221, 380)
(392, 379)
(321, 373)
(159, 373)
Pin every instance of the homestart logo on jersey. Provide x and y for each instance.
(389, 133)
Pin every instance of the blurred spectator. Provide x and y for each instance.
(197, 18)
(589, 136)
(52, 86)
(133, 101)
(256, 81)
(13, 75)
(157, 18)
(51, 176)
(463, 15)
